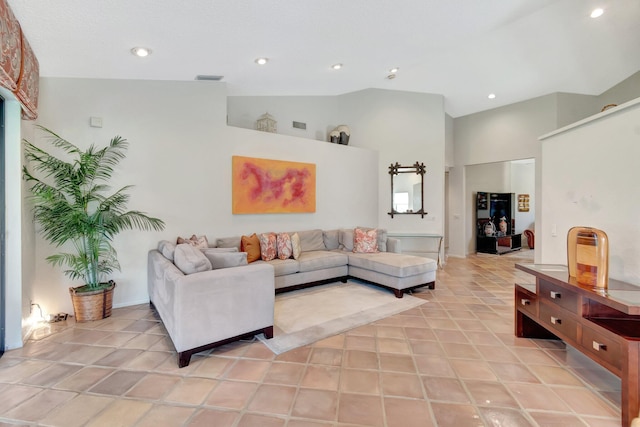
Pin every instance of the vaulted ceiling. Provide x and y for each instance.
(462, 49)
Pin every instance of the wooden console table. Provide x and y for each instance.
(603, 325)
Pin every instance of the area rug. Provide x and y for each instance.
(308, 315)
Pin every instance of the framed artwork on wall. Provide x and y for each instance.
(261, 186)
(523, 203)
(481, 201)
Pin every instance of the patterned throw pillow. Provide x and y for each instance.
(251, 245)
(295, 245)
(268, 246)
(365, 241)
(199, 242)
(285, 250)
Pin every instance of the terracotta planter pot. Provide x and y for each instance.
(92, 305)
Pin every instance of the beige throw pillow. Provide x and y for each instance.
(190, 260)
(226, 259)
(167, 249)
(295, 245)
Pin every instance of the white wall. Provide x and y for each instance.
(625, 91)
(320, 113)
(506, 133)
(449, 138)
(457, 221)
(180, 163)
(573, 107)
(403, 127)
(501, 134)
(523, 182)
(590, 177)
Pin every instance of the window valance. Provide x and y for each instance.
(19, 69)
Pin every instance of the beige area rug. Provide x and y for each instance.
(308, 315)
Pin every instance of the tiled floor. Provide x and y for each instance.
(451, 362)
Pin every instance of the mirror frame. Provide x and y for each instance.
(417, 168)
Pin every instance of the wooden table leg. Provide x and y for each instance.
(630, 383)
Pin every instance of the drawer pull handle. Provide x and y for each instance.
(556, 321)
(555, 295)
(597, 346)
(525, 301)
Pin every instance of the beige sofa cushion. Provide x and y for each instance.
(393, 264)
(226, 259)
(218, 250)
(311, 240)
(282, 267)
(346, 239)
(318, 260)
(190, 259)
(331, 239)
(228, 242)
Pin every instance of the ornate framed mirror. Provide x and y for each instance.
(407, 189)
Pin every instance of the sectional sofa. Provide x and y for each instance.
(210, 296)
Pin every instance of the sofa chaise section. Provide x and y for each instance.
(395, 271)
(210, 308)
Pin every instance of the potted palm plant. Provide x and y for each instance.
(73, 205)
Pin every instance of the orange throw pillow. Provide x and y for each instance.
(251, 245)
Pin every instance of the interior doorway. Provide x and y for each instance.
(514, 176)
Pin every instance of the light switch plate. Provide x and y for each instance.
(95, 122)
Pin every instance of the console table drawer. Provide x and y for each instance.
(527, 302)
(559, 320)
(604, 348)
(560, 296)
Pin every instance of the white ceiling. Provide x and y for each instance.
(462, 49)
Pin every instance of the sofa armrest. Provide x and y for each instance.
(394, 245)
(211, 306)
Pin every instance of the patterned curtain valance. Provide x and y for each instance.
(19, 69)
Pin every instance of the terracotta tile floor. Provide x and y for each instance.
(453, 361)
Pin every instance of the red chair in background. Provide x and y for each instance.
(530, 238)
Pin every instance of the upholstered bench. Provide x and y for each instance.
(396, 271)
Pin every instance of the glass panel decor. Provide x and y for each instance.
(588, 256)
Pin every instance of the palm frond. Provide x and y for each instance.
(72, 205)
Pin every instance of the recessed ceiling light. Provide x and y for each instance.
(261, 61)
(394, 70)
(492, 96)
(141, 51)
(336, 66)
(597, 12)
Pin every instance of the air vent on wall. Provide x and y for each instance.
(209, 77)
(299, 125)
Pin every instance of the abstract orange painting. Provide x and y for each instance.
(272, 186)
